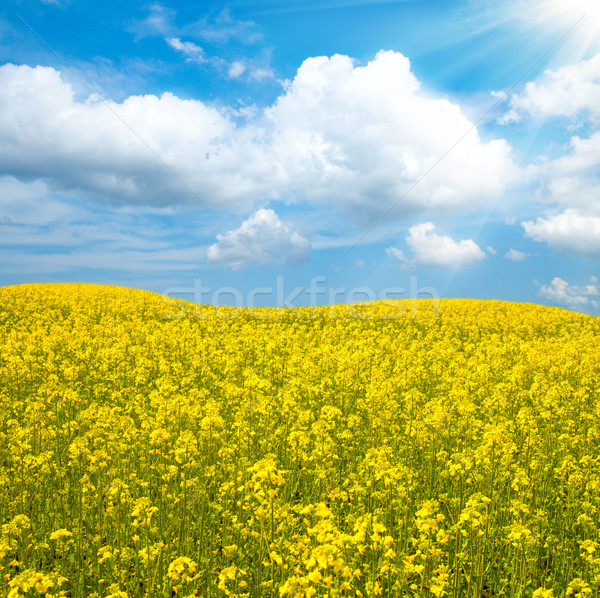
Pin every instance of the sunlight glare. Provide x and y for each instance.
(587, 12)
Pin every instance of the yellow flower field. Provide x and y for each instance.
(151, 448)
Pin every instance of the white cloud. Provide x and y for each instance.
(396, 253)
(568, 231)
(215, 32)
(357, 137)
(362, 136)
(431, 249)
(561, 292)
(192, 51)
(571, 183)
(236, 69)
(261, 239)
(46, 134)
(516, 255)
(224, 28)
(573, 180)
(571, 92)
(158, 22)
(260, 73)
(491, 250)
(253, 70)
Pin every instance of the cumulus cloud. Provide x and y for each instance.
(431, 249)
(573, 180)
(364, 135)
(516, 256)
(571, 91)
(261, 239)
(568, 231)
(357, 137)
(561, 292)
(112, 150)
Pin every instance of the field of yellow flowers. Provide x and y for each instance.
(150, 447)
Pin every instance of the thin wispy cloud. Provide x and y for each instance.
(271, 7)
(160, 20)
(516, 256)
(189, 49)
(232, 46)
(224, 28)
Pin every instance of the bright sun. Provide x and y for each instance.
(589, 10)
(586, 13)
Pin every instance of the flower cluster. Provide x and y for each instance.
(313, 454)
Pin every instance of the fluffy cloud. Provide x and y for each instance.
(573, 180)
(146, 150)
(261, 239)
(571, 92)
(516, 255)
(362, 136)
(561, 292)
(568, 231)
(431, 249)
(570, 182)
(353, 136)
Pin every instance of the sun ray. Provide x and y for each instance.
(584, 13)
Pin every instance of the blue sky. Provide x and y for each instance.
(250, 151)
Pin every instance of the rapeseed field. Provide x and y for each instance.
(155, 448)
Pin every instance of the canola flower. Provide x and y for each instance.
(154, 448)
